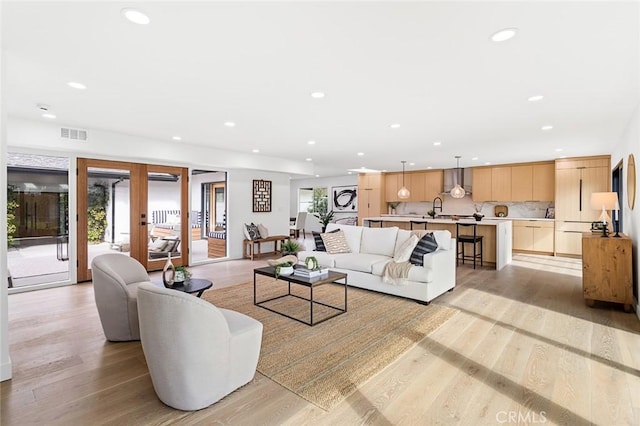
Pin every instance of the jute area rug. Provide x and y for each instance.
(327, 362)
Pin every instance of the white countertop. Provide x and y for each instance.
(408, 217)
(391, 218)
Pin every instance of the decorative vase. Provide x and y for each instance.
(168, 272)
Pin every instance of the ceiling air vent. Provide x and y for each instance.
(73, 134)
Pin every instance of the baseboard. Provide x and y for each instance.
(6, 371)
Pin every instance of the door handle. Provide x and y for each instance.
(143, 223)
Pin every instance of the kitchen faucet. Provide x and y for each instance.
(436, 207)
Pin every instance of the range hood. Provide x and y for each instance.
(458, 175)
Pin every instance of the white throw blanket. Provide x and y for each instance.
(396, 273)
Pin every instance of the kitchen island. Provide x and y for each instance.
(497, 233)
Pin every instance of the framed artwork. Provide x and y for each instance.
(261, 196)
(344, 199)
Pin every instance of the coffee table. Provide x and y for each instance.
(311, 283)
(193, 285)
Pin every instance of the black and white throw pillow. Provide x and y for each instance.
(252, 231)
(427, 244)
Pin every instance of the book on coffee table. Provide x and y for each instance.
(303, 271)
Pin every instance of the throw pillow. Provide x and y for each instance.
(264, 232)
(252, 232)
(403, 253)
(335, 242)
(158, 245)
(318, 240)
(427, 244)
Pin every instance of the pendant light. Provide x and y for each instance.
(403, 193)
(457, 191)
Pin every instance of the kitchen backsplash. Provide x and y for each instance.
(528, 209)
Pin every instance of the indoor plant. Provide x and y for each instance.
(285, 268)
(290, 247)
(325, 218)
(182, 274)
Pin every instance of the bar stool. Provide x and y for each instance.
(378, 222)
(415, 222)
(463, 239)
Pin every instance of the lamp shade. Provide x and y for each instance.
(403, 193)
(604, 201)
(457, 192)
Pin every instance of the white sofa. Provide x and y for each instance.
(372, 248)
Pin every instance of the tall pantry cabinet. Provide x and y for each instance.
(576, 180)
(371, 201)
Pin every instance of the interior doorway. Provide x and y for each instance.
(209, 200)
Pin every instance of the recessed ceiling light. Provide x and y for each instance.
(317, 95)
(474, 158)
(504, 34)
(438, 143)
(349, 173)
(412, 164)
(563, 156)
(176, 138)
(429, 167)
(487, 163)
(255, 151)
(535, 98)
(135, 16)
(360, 154)
(309, 159)
(547, 127)
(76, 85)
(49, 115)
(559, 150)
(384, 170)
(394, 125)
(229, 124)
(311, 142)
(317, 175)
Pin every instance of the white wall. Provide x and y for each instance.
(312, 223)
(630, 144)
(5, 359)
(240, 184)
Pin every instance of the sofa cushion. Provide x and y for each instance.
(353, 235)
(443, 237)
(403, 236)
(427, 244)
(361, 262)
(379, 240)
(335, 242)
(323, 258)
(416, 273)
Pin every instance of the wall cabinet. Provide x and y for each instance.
(423, 186)
(607, 269)
(370, 196)
(533, 236)
(393, 183)
(491, 184)
(533, 182)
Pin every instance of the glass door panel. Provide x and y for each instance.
(37, 219)
(209, 206)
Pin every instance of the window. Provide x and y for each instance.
(313, 200)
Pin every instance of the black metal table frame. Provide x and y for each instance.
(269, 272)
(204, 284)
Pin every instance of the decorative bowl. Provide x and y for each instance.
(286, 270)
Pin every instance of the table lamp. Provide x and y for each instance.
(605, 201)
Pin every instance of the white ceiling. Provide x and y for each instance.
(429, 66)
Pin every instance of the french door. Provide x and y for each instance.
(140, 210)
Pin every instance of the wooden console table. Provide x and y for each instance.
(607, 269)
(248, 246)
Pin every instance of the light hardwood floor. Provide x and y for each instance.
(523, 349)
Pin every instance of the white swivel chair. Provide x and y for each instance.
(196, 352)
(115, 286)
(294, 230)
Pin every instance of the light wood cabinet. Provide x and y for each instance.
(575, 184)
(533, 236)
(393, 183)
(568, 238)
(434, 181)
(417, 187)
(491, 184)
(482, 184)
(544, 176)
(607, 269)
(370, 196)
(533, 182)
